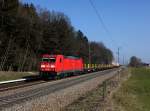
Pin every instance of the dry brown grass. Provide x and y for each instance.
(110, 104)
(10, 75)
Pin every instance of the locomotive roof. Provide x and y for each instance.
(49, 55)
(72, 57)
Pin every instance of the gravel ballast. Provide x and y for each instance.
(58, 100)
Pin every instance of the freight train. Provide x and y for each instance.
(59, 66)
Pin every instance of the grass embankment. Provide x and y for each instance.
(93, 100)
(4, 76)
(134, 94)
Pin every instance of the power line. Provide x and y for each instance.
(105, 28)
(101, 21)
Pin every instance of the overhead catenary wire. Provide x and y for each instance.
(101, 21)
(104, 26)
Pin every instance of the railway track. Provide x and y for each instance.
(10, 100)
(17, 85)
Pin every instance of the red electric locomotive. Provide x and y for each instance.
(59, 65)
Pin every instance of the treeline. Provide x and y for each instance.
(25, 34)
(137, 62)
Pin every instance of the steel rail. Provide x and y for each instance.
(10, 100)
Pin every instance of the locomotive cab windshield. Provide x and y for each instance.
(48, 63)
(51, 60)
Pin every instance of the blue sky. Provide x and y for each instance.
(128, 22)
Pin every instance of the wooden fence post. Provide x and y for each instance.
(104, 89)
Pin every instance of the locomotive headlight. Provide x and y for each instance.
(42, 66)
(52, 66)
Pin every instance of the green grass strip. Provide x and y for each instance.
(134, 94)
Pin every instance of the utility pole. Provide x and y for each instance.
(118, 53)
(123, 60)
